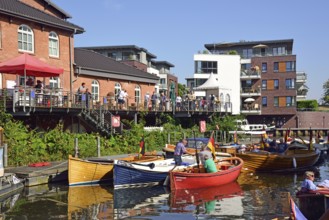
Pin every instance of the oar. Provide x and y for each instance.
(150, 165)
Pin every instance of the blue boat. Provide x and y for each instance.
(128, 174)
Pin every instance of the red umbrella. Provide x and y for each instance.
(27, 65)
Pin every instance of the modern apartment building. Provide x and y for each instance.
(267, 77)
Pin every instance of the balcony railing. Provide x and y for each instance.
(245, 74)
(30, 98)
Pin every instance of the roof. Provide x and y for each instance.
(120, 47)
(246, 43)
(164, 63)
(211, 83)
(17, 9)
(49, 2)
(92, 63)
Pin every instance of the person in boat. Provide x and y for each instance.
(180, 149)
(204, 151)
(209, 164)
(282, 146)
(273, 146)
(308, 184)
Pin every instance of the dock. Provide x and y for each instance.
(32, 176)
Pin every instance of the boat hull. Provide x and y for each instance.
(269, 162)
(127, 174)
(193, 180)
(82, 172)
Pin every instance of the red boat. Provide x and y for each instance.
(196, 177)
(182, 198)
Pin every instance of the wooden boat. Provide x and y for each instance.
(127, 174)
(184, 197)
(314, 205)
(93, 171)
(195, 177)
(294, 158)
(86, 201)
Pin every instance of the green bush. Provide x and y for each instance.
(308, 105)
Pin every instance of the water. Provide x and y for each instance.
(254, 196)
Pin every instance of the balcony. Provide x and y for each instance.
(250, 74)
(250, 91)
(251, 109)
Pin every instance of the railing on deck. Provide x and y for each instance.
(57, 98)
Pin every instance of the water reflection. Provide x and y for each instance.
(254, 196)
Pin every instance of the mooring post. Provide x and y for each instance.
(98, 146)
(76, 147)
(5, 155)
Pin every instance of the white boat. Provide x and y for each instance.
(245, 126)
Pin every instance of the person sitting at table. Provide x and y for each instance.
(38, 89)
(30, 82)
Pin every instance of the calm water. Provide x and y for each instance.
(255, 196)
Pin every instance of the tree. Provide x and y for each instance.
(325, 98)
(182, 89)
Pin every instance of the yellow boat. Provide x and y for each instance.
(90, 202)
(94, 171)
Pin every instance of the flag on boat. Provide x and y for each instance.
(142, 147)
(211, 144)
(287, 135)
(295, 212)
(235, 138)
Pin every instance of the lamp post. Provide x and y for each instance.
(323, 119)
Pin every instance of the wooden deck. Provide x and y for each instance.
(55, 172)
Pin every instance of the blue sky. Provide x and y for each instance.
(175, 30)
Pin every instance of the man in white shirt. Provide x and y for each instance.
(178, 103)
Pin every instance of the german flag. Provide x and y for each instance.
(211, 145)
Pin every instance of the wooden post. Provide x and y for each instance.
(76, 147)
(5, 155)
(98, 146)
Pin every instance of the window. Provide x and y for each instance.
(276, 101)
(276, 84)
(113, 55)
(264, 84)
(246, 53)
(264, 67)
(95, 90)
(227, 101)
(290, 83)
(246, 66)
(54, 82)
(117, 89)
(276, 67)
(137, 94)
(162, 81)
(290, 66)
(25, 39)
(290, 101)
(221, 98)
(264, 101)
(206, 67)
(53, 45)
(279, 51)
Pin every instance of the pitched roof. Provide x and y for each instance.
(211, 83)
(15, 8)
(49, 2)
(92, 63)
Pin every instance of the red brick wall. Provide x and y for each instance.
(106, 86)
(9, 47)
(312, 119)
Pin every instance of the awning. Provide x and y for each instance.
(28, 65)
